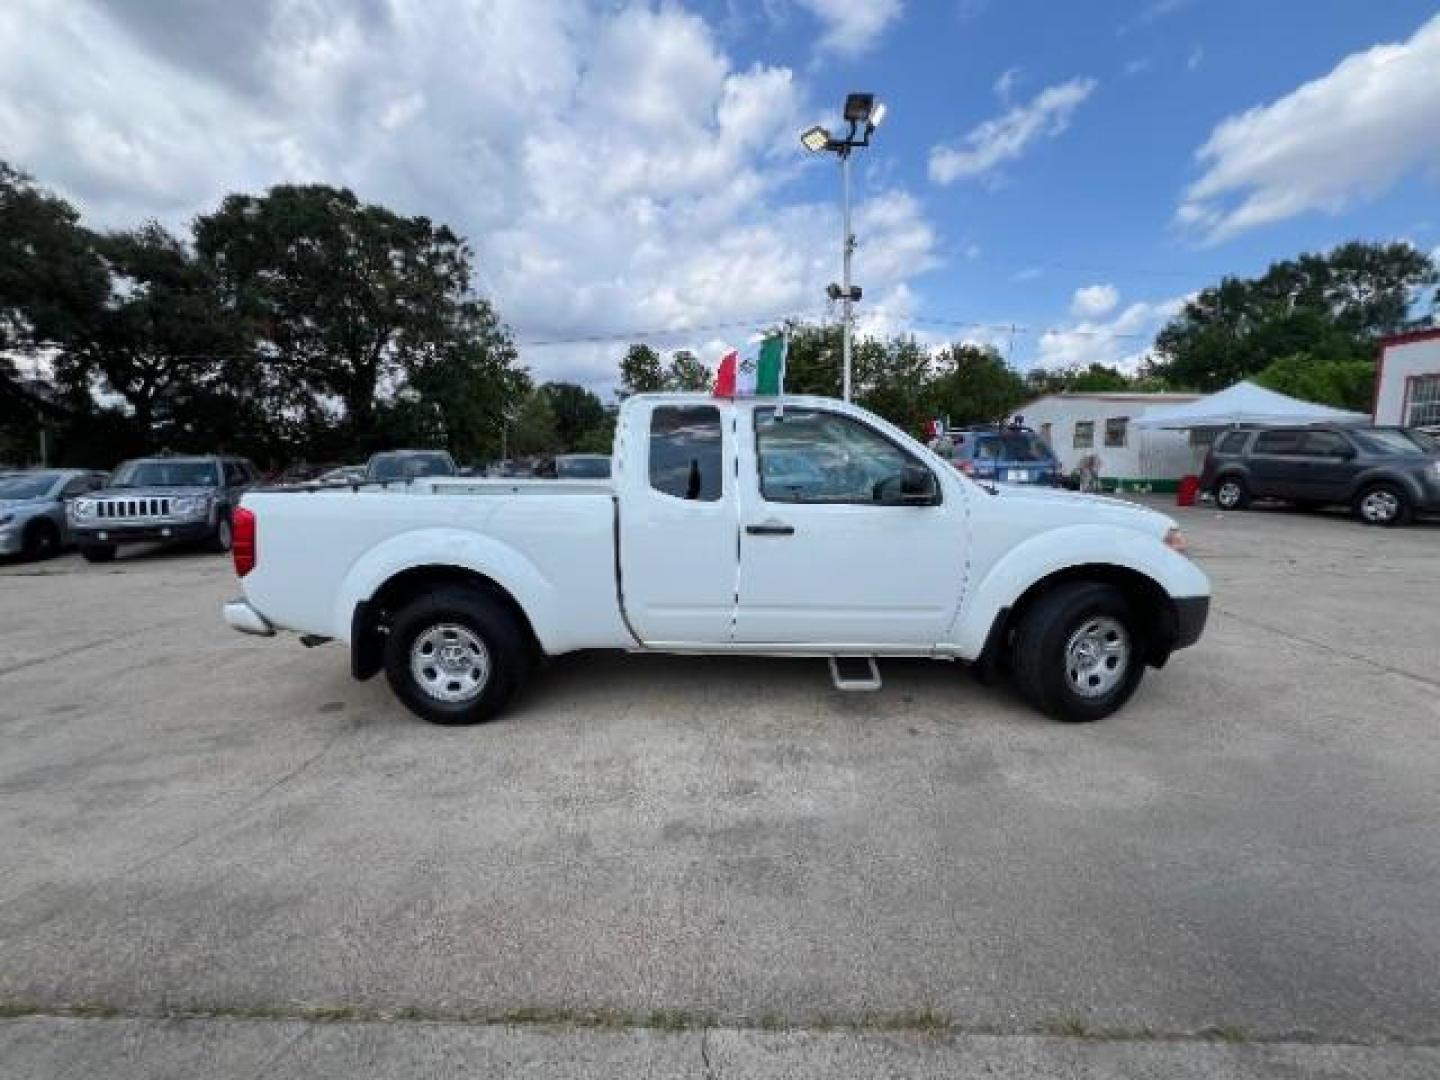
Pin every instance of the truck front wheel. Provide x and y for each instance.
(455, 655)
(1077, 655)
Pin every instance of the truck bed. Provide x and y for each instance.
(320, 551)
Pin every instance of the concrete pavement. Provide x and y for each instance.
(195, 821)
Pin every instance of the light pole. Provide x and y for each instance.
(863, 113)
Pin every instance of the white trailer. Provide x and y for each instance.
(1083, 424)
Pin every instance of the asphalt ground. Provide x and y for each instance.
(222, 846)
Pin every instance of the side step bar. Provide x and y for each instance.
(861, 673)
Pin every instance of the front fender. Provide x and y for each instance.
(1062, 549)
(461, 548)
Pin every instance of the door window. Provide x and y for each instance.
(234, 474)
(77, 486)
(812, 456)
(685, 452)
(1278, 442)
(1324, 444)
(1232, 443)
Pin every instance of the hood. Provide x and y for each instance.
(1073, 507)
(150, 492)
(14, 505)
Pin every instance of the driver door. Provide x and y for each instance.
(830, 555)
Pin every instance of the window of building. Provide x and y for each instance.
(685, 458)
(1084, 434)
(1045, 434)
(813, 456)
(1422, 401)
(1116, 428)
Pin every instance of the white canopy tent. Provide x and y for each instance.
(1244, 404)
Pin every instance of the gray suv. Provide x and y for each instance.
(32, 508)
(163, 498)
(1385, 474)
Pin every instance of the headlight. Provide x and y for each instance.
(190, 506)
(1175, 541)
(82, 508)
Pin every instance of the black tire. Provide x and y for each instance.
(1044, 667)
(485, 618)
(1230, 493)
(98, 552)
(1385, 505)
(41, 540)
(224, 535)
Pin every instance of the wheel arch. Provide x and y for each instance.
(371, 619)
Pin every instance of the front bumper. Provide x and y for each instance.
(12, 540)
(1190, 615)
(144, 533)
(241, 616)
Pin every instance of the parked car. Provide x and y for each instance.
(32, 509)
(575, 467)
(1012, 455)
(161, 498)
(343, 474)
(877, 547)
(1384, 474)
(405, 465)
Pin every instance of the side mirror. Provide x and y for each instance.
(917, 486)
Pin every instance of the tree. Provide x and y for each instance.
(975, 385)
(1329, 307)
(1345, 384)
(895, 379)
(640, 371)
(533, 430)
(687, 372)
(576, 410)
(346, 299)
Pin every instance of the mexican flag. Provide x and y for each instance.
(760, 369)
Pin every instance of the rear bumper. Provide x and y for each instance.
(1190, 615)
(244, 618)
(137, 534)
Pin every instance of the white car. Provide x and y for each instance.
(862, 544)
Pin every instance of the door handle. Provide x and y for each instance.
(770, 530)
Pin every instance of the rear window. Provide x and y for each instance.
(1232, 442)
(410, 466)
(1011, 446)
(685, 459)
(1389, 442)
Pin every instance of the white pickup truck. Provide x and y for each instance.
(802, 527)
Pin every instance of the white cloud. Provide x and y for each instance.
(1006, 83)
(1137, 66)
(1004, 138)
(613, 169)
(1093, 301)
(1027, 273)
(1195, 59)
(1351, 133)
(1121, 342)
(852, 26)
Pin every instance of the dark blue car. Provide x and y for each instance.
(1007, 455)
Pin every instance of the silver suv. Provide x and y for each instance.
(169, 499)
(32, 509)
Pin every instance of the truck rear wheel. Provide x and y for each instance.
(455, 655)
(1077, 654)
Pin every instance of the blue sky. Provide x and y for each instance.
(629, 168)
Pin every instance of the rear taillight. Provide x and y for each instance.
(242, 540)
(967, 467)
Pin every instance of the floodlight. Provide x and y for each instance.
(815, 139)
(858, 107)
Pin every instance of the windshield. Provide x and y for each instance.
(583, 468)
(1011, 446)
(1389, 442)
(409, 466)
(166, 474)
(27, 485)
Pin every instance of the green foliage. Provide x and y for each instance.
(1329, 307)
(686, 372)
(577, 412)
(1345, 384)
(973, 384)
(534, 430)
(640, 371)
